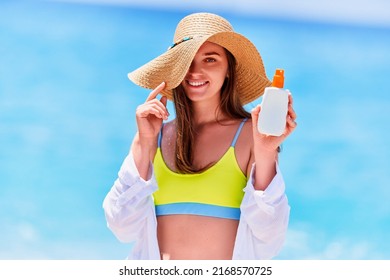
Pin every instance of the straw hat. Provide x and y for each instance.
(191, 32)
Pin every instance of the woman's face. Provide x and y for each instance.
(207, 73)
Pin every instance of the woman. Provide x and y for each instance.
(205, 185)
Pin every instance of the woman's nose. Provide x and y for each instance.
(194, 68)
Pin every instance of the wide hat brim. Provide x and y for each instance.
(172, 66)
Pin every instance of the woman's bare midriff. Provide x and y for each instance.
(191, 237)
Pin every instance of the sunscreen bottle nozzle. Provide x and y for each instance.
(278, 80)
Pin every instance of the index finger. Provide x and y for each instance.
(290, 98)
(156, 91)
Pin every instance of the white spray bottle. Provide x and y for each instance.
(274, 106)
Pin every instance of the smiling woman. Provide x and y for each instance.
(205, 185)
(64, 125)
(207, 73)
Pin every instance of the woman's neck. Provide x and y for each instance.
(206, 112)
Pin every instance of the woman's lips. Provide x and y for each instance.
(196, 83)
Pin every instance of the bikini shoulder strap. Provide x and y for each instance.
(238, 132)
(160, 136)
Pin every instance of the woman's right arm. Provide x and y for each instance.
(129, 202)
(150, 116)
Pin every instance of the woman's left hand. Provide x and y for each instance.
(271, 143)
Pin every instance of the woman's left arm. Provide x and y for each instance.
(264, 210)
(265, 148)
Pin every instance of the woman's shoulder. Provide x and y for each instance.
(247, 132)
(169, 125)
(244, 146)
(169, 129)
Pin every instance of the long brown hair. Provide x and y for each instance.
(230, 105)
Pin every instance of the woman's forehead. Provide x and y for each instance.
(209, 48)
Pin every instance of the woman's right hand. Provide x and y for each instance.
(150, 115)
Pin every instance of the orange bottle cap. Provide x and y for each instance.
(278, 80)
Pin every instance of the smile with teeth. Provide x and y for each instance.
(196, 84)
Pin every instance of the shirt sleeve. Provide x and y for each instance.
(264, 220)
(129, 206)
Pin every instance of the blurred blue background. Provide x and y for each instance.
(67, 121)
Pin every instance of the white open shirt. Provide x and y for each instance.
(130, 214)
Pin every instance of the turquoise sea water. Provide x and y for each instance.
(67, 120)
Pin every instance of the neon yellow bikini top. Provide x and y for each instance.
(215, 192)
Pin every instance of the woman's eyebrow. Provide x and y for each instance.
(211, 53)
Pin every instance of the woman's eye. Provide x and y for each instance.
(209, 59)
